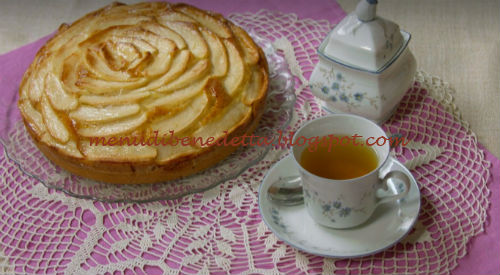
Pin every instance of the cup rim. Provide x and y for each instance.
(381, 163)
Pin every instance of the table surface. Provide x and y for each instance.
(457, 40)
(447, 34)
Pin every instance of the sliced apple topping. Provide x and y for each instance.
(197, 71)
(183, 119)
(179, 65)
(97, 64)
(102, 86)
(160, 65)
(235, 113)
(126, 125)
(69, 148)
(103, 100)
(164, 48)
(35, 87)
(116, 20)
(217, 97)
(236, 71)
(179, 96)
(254, 90)
(32, 116)
(58, 97)
(54, 124)
(166, 33)
(72, 70)
(250, 50)
(215, 25)
(218, 56)
(171, 15)
(87, 113)
(193, 38)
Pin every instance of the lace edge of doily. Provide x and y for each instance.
(439, 90)
(280, 13)
(443, 92)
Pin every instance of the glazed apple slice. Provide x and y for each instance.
(218, 56)
(255, 87)
(163, 50)
(57, 96)
(235, 113)
(97, 64)
(171, 15)
(166, 32)
(177, 97)
(236, 72)
(192, 37)
(102, 86)
(179, 65)
(54, 124)
(103, 100)
(219, 27)
(198, 70)
(35, 86)
(250, 50)
(69, 148)
(126, 125)
(183, 119)
(86, 113)
(32, 116)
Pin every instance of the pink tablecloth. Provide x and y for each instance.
(483, 251)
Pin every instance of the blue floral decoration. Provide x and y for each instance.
(337, 89)
(358, 96)
(401, 188)
(275, 216)
(344, 212)
(335, 209)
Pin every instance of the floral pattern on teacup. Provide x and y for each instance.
(335, 209)
(338, 89)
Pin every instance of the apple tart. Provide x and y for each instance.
(138, 72)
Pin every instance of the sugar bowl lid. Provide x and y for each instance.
(364, 41)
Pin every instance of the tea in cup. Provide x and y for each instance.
(340, 158)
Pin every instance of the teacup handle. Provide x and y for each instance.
(395, 174)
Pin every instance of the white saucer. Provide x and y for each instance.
(389, 223)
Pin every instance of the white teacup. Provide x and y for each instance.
(350, 202)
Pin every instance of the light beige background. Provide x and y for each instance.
(457, 40)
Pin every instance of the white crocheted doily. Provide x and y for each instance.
(221, 231)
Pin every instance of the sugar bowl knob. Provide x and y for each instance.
(366, 10)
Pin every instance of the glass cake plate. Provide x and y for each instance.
(277, 115)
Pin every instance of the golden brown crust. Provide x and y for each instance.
(132, 70)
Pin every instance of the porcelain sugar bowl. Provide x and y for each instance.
(365, 66)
